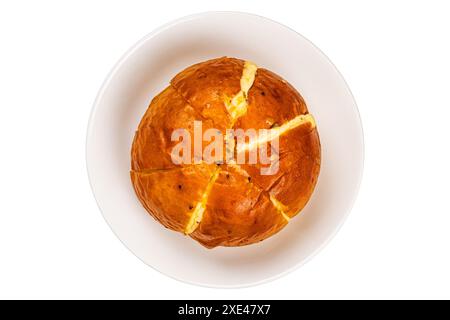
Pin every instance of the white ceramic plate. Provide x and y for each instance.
(146, 69)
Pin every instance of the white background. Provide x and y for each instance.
(395, 56)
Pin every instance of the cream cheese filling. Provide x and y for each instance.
(197, 214)
(237, 106)
(280, 207)
(271, 134)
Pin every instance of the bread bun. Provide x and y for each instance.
(226, 203)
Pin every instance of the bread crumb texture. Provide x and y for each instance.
(226, 204)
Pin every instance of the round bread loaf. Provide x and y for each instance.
(226, 203)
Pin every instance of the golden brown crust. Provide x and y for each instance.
(170, 195)
(237, 213)
(152, 145)
(208, 84)
(242, 205)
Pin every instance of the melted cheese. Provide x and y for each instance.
(277, 132)
(197, 214)
(248, 76)
(280, 207)
(237, 106)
